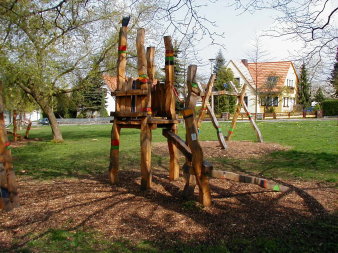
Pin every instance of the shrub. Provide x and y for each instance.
(330, 107)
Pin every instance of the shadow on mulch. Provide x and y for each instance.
(160, 215)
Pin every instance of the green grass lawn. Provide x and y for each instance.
(313, 156)
(313, 153)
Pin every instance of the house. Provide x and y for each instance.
(110, 86)
(35, 115)
(275, 84)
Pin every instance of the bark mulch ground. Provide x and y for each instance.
(160, 214)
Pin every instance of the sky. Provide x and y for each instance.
(240, 31)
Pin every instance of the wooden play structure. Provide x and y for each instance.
(143, 105)
(240, 104)
(8, 192)
(146, 105)
(16, 136)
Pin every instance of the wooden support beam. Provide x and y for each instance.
(121, 66)
(169, 106)
(142, 68)
(253, 123)
(123, 93)
(264, 183)
(150, 55)
(174, 167)
(237, 112)
(205, 99)
(114, 152)
(145, 141)
(181, 145)
(216, 125)
(225, 92)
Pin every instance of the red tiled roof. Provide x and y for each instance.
(266, 69)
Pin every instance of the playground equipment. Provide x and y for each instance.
(146, 105)
(8, 192)
(16, 136)
(142, 105)
(240, 104)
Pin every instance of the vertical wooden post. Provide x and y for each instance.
(170, 78)
(114, 153)
(5, 152)
(146, 176)
(151, 75)
(174, 167)
(121, 63)
(192, 137)
(240, 98)
(142, 68)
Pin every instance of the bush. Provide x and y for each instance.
(330, 107)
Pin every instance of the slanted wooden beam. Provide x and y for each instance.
(253, 123)
(114, 152)
(264, 183)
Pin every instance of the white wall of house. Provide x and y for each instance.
(242, 74)
(289, 98)
(110, 101)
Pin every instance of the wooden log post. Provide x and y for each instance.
(114, 152)
(5, 152)
(240, 98)
(121, 63)
(170, 105)
(169, 78)
(192, 137)
(145, 137)
(253, 123)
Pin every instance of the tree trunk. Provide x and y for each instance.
(47, 109)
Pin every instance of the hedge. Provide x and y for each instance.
(330, 107)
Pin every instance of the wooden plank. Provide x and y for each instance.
(128, 99)
(145, 139)
(237, 112)
(163, 121)
(129, 114)
(225, 92)
(5, 151)
(180, 144)
(138, 92)
(169, 99)
(205, 99)
(264, 183)
(114, 153)
(253, 123)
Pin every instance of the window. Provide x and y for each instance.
(286, 102)
(237, 80)
(272, 79)
(289, 83)
(269, 101)
(246, 100)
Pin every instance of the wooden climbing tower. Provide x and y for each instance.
(147, 105)
(8, 192)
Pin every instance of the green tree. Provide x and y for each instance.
(334, 75)
(219, 62)
(304, 95)
(224, 103)
(319, 96)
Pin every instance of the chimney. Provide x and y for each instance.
(245, 62)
